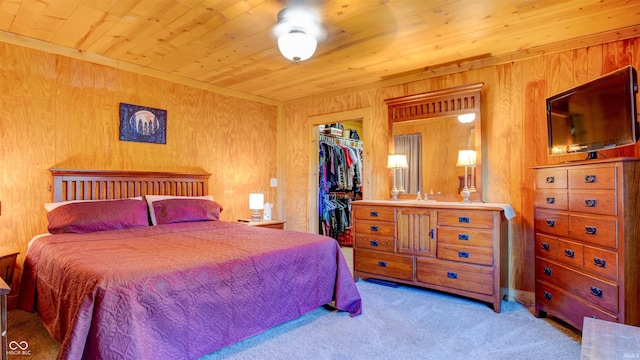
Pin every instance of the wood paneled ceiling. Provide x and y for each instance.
(227, 43)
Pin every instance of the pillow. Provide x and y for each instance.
(53, 205)
(151, 198)
(185, 210)
(91, 216)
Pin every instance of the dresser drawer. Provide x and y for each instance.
(601, 293)
(467, 254)
(389, 265)
(570, 253)
(465, 237)
(552, 223)
(598, 231)
(465, 218)
(379, 228)
(601, 202)
(375, 243)
(546, 246)
(601, 262)
(568, 307)
(373, 213)
(474, 278)
(551, 199)
(593, 178)
(550, 179)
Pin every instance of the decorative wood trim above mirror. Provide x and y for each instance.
(440, 104)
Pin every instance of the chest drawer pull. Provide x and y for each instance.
(551, 200)
(547, 295)
(452, 275)
(373, 213)
(596, 291)
(550, 179)
(463, 254)
(589, 179)
(464, 219)
(547, 271)
(550, 223)
(374, 243)
(545, 246)
(599, 262)
(569, 253)
(463, 236)
(373, 228)
(590, 230)
(382, 263)
(590, 203)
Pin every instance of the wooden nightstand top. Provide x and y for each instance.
(6, 251)
(274, 224)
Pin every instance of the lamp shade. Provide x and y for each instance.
(466, 118)
(256, 201)
(466, 158)
(297, 45)
(397, 162)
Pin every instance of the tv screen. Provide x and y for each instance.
(600, 114)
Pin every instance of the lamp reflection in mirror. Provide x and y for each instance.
(466, 118)
(256, 202)
(396, 162)
(466, 159)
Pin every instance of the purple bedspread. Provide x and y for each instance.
(179, 291)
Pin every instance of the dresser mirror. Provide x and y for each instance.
(434, 116)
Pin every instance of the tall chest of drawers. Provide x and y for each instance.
(587, 231)
(444, 246)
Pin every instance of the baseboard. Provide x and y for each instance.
(523, 297)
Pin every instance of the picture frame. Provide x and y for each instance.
(143, 124)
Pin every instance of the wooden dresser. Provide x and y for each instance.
(587, 225)
(450, 247)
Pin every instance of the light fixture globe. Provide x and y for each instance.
(298, 31)
(297, 45)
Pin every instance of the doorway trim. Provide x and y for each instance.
(363, 115)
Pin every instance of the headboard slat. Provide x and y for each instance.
(70, 184)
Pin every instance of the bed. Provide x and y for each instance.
(177, 286)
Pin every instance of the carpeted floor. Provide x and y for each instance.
(397, 323)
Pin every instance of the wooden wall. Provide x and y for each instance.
(60, 112)
(513, 135)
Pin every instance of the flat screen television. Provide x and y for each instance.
(600, 114)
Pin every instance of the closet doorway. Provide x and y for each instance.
(356, 120)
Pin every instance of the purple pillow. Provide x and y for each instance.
(86, 217)
(185, 210)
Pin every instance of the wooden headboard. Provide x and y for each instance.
(70, 184)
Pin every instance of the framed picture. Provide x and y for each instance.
(143, 124)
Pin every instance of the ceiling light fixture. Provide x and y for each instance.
(298, 32)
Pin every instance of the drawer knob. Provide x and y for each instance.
(599, 262)
(373, 214)
(596, 291)
(569, 253)
(464, 219)
(590, 230)
(590, 203)
(551, 223)
(382, 264)
(373, 228)
(452, 275)
(589, 179)
(547, 295)
(463, 254)
(550, 179)
(551, 200)
(463, 236)
(546, 246)
(547, 271)
(374, 243)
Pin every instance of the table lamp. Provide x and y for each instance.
(256, 203)
(466, 158)
(395, 162)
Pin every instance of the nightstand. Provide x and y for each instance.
(273, 224)
(7, 263)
